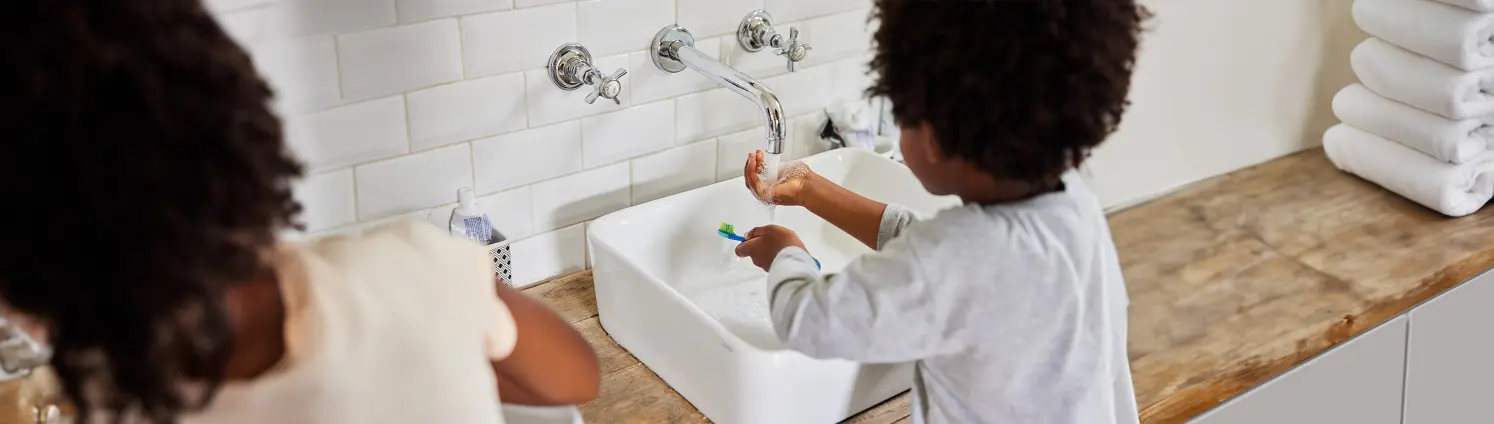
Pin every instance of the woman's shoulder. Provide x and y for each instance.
(410, 238)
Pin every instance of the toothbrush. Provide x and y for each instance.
(730, 233)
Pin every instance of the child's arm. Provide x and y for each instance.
(869, 221)
(880, 309)
(551, 364)
(853, 213)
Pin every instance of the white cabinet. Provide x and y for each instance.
(1450, 360)
(1358, 382)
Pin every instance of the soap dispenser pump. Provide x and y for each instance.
(468, 220)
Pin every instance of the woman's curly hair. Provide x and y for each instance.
(145, 175)
(1022, 89)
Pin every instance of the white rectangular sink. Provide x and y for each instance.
(670, 291)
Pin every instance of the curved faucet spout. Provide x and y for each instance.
(673, 51)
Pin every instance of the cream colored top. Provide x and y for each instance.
(396, 325)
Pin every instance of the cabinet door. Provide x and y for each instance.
(1356, 382)
(1450, 361)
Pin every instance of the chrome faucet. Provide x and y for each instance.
(673, 50)
(756, 32)
(571, 67)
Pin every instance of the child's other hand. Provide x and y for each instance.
(764, 243)
(789, 191)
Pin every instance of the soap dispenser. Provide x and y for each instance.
(468, 220)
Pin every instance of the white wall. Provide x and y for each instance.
(395, 104)
(1221, 85)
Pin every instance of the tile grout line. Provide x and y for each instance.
(461, 50)
(357, 212)
(409, 129)
(472, 168)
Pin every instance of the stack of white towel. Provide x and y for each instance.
(1421, 123)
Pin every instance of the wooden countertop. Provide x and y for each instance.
(1232, 281)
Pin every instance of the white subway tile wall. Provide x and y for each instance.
(394, 60)
(716, 112)
(673, 171)
(732, 150)
(532, 3)
(608, 27)
(581, 197)
(526, 157)
(408, 183)
(628, 133)
(550, 255)
(705, 18)
(395, 104)
(811, 89)
(488, 40)
(232, 5)
(299, 18)
(245, 26)
(794, 10)
(350, 135)
(850, 77)
(303, 72)
(328, 199)
(833, 40)
(511, 211)
(420, 10)
(466, 110)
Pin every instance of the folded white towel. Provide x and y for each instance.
(1450, 34)
(1413, 79)
(1454, 141)
(1453, 190)
(1474, 5)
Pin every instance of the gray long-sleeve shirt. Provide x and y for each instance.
(1013, 313)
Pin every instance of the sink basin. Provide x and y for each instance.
(670, 291)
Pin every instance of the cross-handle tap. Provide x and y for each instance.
(570, 67)
(756, 32)
(795, 51)
(604, 86)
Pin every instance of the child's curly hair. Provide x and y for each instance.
(153, 177)
(1022, 89)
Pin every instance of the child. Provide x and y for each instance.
(156, 180)
(1012, 306)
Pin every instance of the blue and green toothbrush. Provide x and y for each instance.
(730, 233)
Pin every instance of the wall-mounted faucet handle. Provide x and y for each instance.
(605, 86)
(570, 67)
(795, 51)
(756, 32)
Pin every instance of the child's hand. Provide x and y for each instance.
(764, 243)
(789, 191)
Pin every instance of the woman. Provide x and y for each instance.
(142, 137)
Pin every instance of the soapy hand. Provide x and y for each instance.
(764, 243)
(790, 189)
